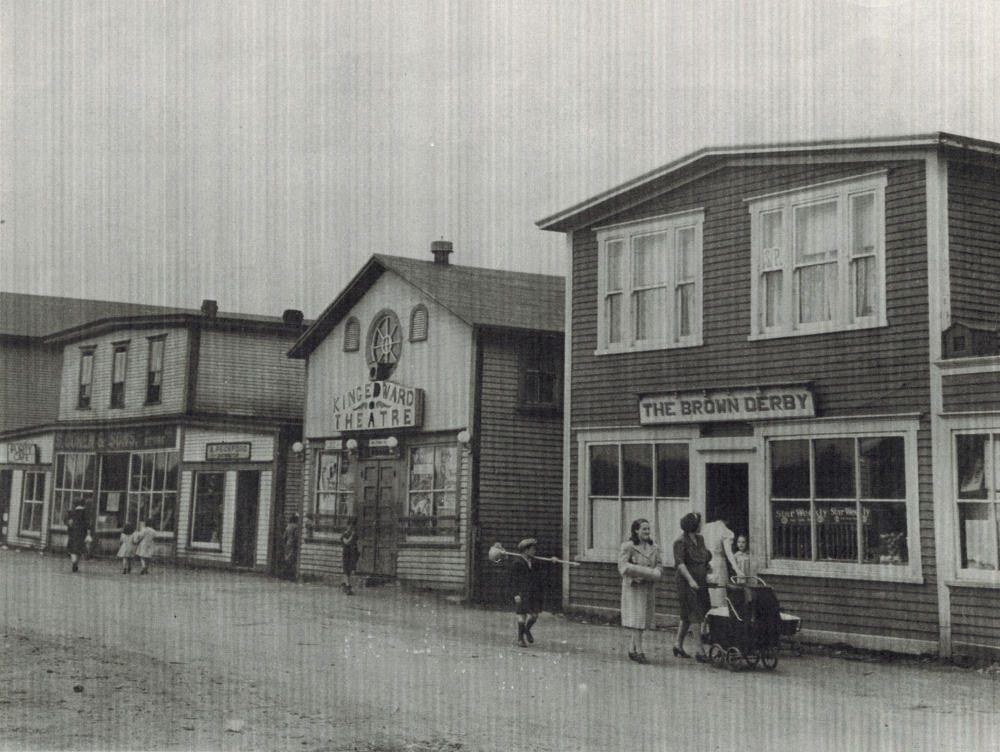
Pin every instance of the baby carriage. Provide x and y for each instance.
(749, 628)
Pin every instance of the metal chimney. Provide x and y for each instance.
(441, 249)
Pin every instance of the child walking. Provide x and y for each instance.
(526, 584)
(145, 540)
(127, 549)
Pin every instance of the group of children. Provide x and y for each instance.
(137, 543)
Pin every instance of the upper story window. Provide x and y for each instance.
(541, 366)
(650, 283)
(86, 386)
(352, 335)
(154, 370)
(819, 258)
(418, 323)
(118, 368)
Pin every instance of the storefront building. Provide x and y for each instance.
(433, 418)
(184, 420)
(760, 334)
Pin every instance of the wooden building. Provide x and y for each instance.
(433, 416)
(761, 332)
(183, 417)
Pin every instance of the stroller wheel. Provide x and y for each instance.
(753, 658)
(717, 656)
(769, 657)
(733, 658)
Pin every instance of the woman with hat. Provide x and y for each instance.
(691, 558)
(78, 531)
(640, 566)
(526, 584)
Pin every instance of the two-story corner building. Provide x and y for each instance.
(185, 418)
(776, 334)
(433, 416)
(30, 370)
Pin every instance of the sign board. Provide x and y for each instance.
(702, 406)
(227, 451)
(117, 439)
(21, 454)
(376, 406)
(333, 444)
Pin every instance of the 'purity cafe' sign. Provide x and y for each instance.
(767, 403)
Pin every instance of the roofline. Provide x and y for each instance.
(173, 320)
(562, 221)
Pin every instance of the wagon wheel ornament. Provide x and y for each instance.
(387, 340)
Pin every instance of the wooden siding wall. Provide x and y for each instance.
(974, 244)
(30, 377)
(249, 374)
(520, 474)
(867, 372)
(171, 391)
(974, 622)
(979, 392)
(46, 455)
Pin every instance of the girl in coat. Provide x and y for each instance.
(127, 549)
(640, 566)
(145, 540)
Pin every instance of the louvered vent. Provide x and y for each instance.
(418, 324)
(352, 336)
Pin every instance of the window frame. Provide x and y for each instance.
(786, 203)
(65, 497)
(411, 527)
(330, 526)
(138, 497)
(154, 378)
(85, 389)
(195, 497)
(36, 503)
(848, 429)
(625, 233)
(989, 425)
(536, 353)
(117, 396)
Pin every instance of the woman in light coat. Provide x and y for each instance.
(640, 566)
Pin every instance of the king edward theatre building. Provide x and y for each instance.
(802, 338)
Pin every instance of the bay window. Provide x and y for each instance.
(650, 281)
(818, 258)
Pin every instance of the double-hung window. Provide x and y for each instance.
(154, 370)
(118, 370)
(333, 502)
(819, 258)
(541, 365)
(650, 281)
(977, 493)
(86, 381)
(32, 499)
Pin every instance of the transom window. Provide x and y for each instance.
(839, 499)
(333, 503)
(650, 282)
(819, 258)
(32, 499)
(977, 460)
(431, 491)
(628, 481)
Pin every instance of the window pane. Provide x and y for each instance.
(790, 469)
(672, 472)
(637, 470)
(614, 317)
(207, 526)
(604, 523)
(863, 224)
(685, 310)
(422, 469)
(816, 233)
(614, 250)
(835, 469)
(686, 261)
(635, 509)
(882, 468)
(770, 238)
(604, 470)
(836, 532)
(329, 463)
(169, 512)
(883, 533)
(978, 535)
(444, 469)
(817, 291)
(650, 314)
(649, 253)
(790, 530)
(772, 298)
(668, 521)
(863, 286)
(971, 451)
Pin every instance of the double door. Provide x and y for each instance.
(378, 517)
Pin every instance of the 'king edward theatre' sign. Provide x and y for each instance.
(378, 405)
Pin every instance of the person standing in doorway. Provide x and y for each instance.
(78, 529)
(290, 547)
(719, 540)
(526, 584)
(640, 567)
(145, 538)
(351, 553)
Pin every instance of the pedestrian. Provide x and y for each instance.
(742, 557)
(290, 546)
(145, 540)
(719, 540)
(527, 586)
(78, 530)
(127, 549)
(691, 558)
(640, 566)
(351, 553)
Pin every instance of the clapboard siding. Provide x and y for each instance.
(974, 617)
(972, 391)
(29, 384)
(974, 243)
(242, 373)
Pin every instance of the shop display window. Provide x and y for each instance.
(32, 499)
(75, 481)
(431, 491)
(977, 461)
(206, 517)
(152, 490)
(333, 502)
(627, 481)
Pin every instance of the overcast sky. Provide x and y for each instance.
(257, 152)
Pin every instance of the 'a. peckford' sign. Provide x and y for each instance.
(377, 405)
(767, 403)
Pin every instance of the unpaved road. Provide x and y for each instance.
(205, 660)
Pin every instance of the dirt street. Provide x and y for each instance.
(208, 660)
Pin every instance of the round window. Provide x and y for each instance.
(385, 343)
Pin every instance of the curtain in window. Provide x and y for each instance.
(613, 300)
(816, 260)
(649, 277)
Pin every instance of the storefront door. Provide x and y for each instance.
(378, 518)
(6, 482)
(245, 523)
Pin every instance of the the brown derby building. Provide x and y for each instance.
(433, 416)
(804, 335)
(185, 417)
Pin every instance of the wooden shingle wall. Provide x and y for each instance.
(29, 384)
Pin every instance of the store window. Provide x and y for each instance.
(541, 366)
(74, 482)
(819, 258)
(206, 517)
(650, 282)
(840, 499)
(32, 499)
(431, 491)
(118, 369)
(154, 370)
(333, 502)
(152, 490)
(977, 463)
(628, 481)
(86, 384)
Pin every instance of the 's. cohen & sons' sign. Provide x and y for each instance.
(768, 403)
(377, 405)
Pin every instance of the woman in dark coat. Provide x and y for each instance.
(526, 584)
(691, 558)
(78, 529)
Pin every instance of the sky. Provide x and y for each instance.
(258, 152)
